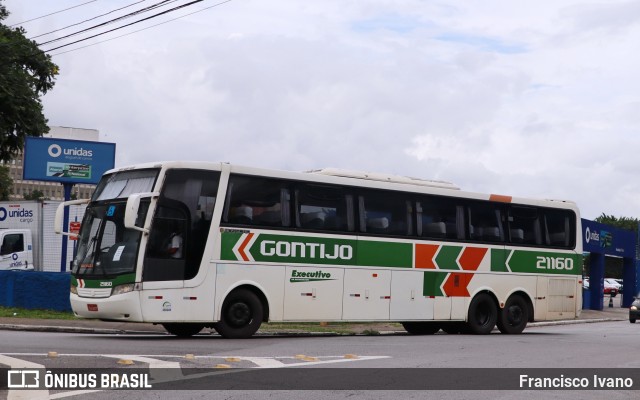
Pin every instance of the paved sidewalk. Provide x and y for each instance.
(96, 326)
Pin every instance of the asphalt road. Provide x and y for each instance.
(594, 345)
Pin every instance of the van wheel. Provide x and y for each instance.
(483, 314)
(241, 315)
(183, 330)
(513, 318)
(632, 320)
(421, 328)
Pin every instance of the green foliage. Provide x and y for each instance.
(5, 183)
(40, 314)
(26, 73)
(35, 195)
(621, 222)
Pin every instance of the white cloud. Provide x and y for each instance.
(534, 99)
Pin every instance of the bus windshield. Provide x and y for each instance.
(106, 247)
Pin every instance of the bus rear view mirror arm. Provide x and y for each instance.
(59, 219)
(131, 211)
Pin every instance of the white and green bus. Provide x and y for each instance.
(327, 245)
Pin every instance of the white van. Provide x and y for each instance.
(16, 249)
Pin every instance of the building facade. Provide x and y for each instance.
(50, 190)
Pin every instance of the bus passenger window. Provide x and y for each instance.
(524, 225)
(485, 222)
(557, 228)
(257, 201)
(440, 218)
(385, 213)
(323, 208)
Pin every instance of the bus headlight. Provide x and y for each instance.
(122, 289)
(73, 289)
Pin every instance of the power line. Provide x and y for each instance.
(124, 26)
(87, 20)
(56, 12)
(140, 30)
(111, 21)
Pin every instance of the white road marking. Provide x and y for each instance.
(16, 363)
(158, 369)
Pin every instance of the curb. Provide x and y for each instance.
(72, 329)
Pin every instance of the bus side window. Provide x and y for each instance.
(385, 213)
(485, 222)
(440, 218)
(557, 228)
(257, 201)
(323, 208)
(524, 225)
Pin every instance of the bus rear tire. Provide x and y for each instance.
(241, 315)
(183, 329)
(513, 318)
(483, 314)
(421, 328)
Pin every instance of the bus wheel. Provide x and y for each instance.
(183, 330)
(241, 315)
(513, 318)
(483, 314)
(421, 328)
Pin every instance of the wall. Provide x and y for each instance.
(35, 290)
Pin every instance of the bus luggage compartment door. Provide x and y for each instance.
(313, 293)
(367, 294)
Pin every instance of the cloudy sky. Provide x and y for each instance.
(532, 99)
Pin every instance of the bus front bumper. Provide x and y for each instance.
(121, 307)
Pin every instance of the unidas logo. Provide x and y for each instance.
(22, 213)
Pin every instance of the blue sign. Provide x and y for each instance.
(67, 161)
(606, 239)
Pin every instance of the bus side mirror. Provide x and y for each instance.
(59, 219)
(131, 211)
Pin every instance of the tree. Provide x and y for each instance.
(35, 195)
(621, 222)
(5, 183)
(26, 73)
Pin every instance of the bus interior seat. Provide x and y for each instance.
(242, 215)
(271, 218)
(377, 225)
(558, 239)
(517, 235)
(451, 230)
(434, 229)
(490, 233)
(313, 220)
(333, 222)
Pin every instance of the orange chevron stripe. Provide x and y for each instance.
(472, 257)
(456, 284)
(243, 246)
(424, 255)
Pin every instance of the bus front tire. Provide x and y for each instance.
(183, 329)
(483, 314)
(513, 318)
(241, 315)
(421, 328)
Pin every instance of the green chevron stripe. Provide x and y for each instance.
(432, 282)
(447, 256)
